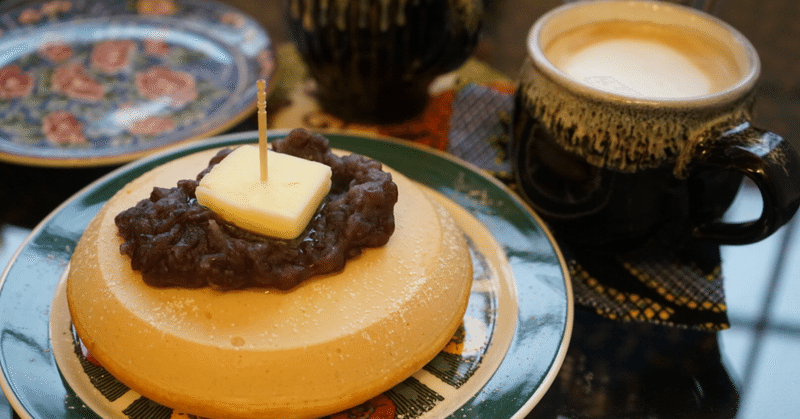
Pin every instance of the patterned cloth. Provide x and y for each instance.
(479, 120)
(660, 286)
(469, 117)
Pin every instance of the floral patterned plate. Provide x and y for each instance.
(92, 82)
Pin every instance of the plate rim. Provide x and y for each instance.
(243, 110)
(242, 137)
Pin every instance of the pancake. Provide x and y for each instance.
(328, 344)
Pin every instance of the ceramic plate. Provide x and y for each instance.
(513, 340)
(92, 82)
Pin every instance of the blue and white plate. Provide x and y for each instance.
(93, 82)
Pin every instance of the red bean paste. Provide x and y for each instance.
(175, 242)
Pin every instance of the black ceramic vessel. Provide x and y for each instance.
(373, 60)
(622, 169)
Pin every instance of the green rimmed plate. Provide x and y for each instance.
(515, 333)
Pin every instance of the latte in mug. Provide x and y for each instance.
(632, 128)
(644, 59)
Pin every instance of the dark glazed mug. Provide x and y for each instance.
(373, 60)
(618, 161)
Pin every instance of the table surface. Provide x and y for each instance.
(612, 370)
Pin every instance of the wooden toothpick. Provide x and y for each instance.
(262, 127)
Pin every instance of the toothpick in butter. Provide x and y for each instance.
(262, 128)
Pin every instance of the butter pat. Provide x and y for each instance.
(281, 207)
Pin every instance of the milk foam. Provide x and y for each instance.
(643, 60)
(638, 68)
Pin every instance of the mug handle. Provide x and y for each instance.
(771, 163)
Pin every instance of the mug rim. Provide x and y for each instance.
(733, 93)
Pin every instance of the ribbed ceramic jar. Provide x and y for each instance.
(373, 60)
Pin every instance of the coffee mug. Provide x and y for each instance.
(632, 127)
